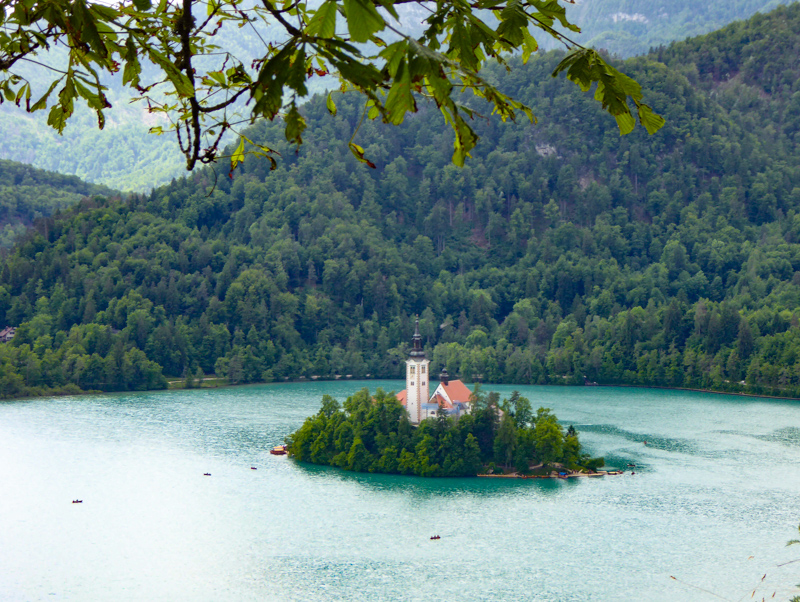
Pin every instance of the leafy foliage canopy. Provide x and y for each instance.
(197, 83)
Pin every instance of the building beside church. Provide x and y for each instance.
(451, 396)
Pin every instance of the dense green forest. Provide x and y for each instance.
(125, 157)
(560, 252)
(373, 434)
(27, 193)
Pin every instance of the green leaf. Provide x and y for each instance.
(265, 152)
(83, 21)
(359, 154)
(579, 68)
(178, 79)
(389, 6)
(23, 91)
(330, 104)
(237, 156)
(295, 124)
(133, 69)
(393, 54)
(461, 45)
(144, 5)
(651, 121)
(362, 75)
(363, 19)
(106, 13)
(42, 102)
(296, 78)
(401, 98)
(218, 77)
(513, 22)
(57, 118)
(551, 10)
(323, 23)
(268, 92)
(465, 140)
(95, 100)
(626, 123)
(529, 46)
(586, 66)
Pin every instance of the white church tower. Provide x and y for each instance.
(416, 379)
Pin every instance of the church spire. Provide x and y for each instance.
(417, 392)
(417, 352)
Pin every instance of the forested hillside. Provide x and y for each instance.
(27, 193)
(561, 251)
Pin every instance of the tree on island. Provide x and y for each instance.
(373, 434)
(169, 54)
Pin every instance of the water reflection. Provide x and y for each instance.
(432, 488)
(651, 440)
(789, 436)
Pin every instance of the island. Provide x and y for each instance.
(373, 433)
(453, 432)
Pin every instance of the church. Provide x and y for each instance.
(451, 396)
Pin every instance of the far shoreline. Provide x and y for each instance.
(482, 383)
(222, 385)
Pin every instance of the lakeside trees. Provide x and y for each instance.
(373, 434)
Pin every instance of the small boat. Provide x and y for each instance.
(278, 450)
(77, 501)
(253, 468)
(206, 474)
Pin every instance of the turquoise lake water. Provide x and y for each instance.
(713, 502)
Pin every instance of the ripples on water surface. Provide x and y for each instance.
(713, 502)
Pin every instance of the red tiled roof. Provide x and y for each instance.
(457, 391)
(401, 397)
(441, 401)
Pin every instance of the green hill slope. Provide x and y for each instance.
(27, 193)
(562, 251)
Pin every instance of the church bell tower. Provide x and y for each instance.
(416, 378)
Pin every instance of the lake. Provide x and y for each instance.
(712, 504)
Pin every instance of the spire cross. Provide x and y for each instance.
(417, 351)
